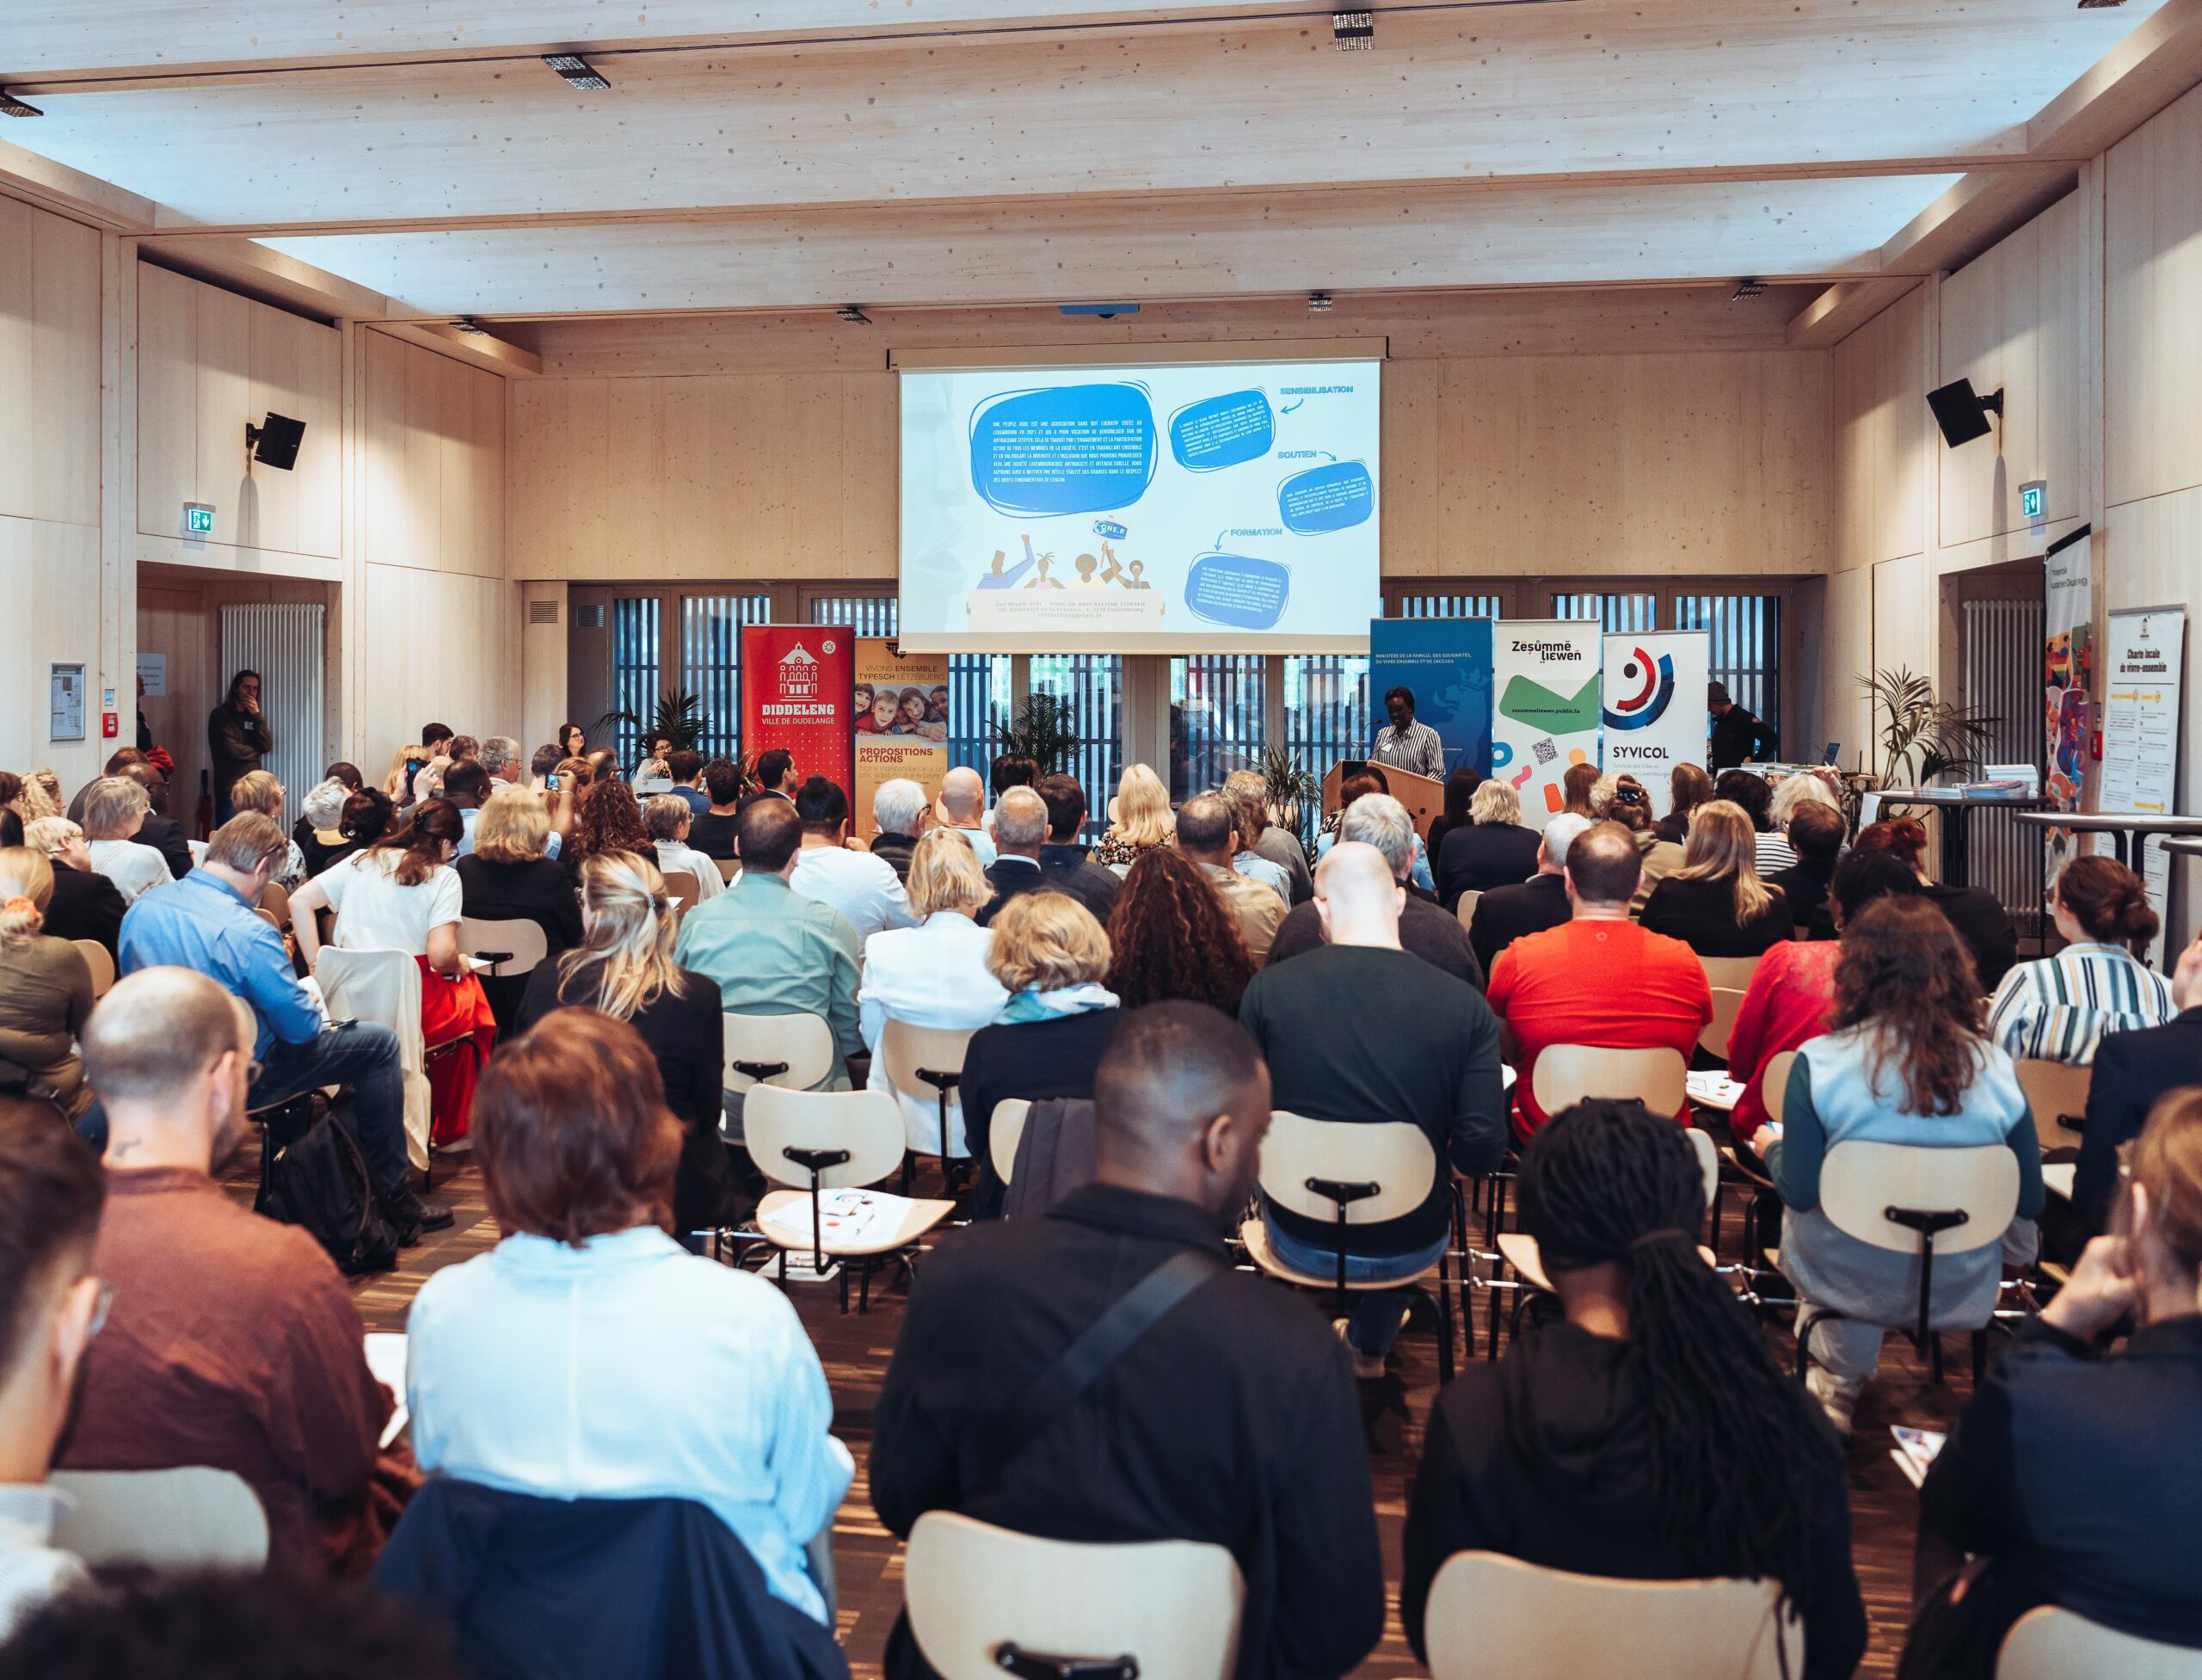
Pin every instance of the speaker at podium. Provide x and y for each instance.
(1422, 796)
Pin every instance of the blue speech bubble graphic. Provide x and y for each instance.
(1237, 590)
(1222, 430)
(1326, 498)
(1109, 529)
(1070, 449)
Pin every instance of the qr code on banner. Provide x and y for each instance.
(1545, 751)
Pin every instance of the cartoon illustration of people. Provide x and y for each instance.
(997, 578)
(1087, 565)
(1115, 574)
(1138, 566)
(1041, 580)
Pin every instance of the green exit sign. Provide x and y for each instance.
(198, 519)
(2033, 501)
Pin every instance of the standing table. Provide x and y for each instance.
(2142, 826)
(1957, 828)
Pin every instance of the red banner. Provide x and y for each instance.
(797, 681)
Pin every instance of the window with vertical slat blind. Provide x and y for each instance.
(1217, 704)
(1617, 613)
(1094, 685)
(710, 663)
(1746, 638)
(869, 615)
(634, 667)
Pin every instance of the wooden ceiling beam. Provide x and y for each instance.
(481, 349)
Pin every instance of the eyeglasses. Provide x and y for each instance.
(102, 1304)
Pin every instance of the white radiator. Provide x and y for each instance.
(2003, 679)
(285, 643)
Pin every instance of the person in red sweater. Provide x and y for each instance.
(1598, 978)
(1793, 989)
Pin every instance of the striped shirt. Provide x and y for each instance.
(2059, 1009)
(1774, 853)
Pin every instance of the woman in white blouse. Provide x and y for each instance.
(665, 820)
(402, 894)
(114, 810)
(933, 974)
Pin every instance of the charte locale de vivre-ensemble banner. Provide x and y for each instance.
(2067, 683)
(1447, 664)
(1545, 673)
(1141, 508)
(1654, 708)
(900, 712)
(796, 685)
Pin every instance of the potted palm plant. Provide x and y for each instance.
(1923, 736)
(1043, 730)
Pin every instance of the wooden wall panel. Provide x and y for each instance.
(433, 432)
(445, 644)
(210, 363)
(2152, 327)
(1880, 427)
(1845, 637)
(1672, 463)
(2154, 552)
(50, 364)
(1903, 621)
(2014, 321)
(49, 574)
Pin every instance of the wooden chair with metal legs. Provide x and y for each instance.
(1466, 908)
(817, 1140)
(1492, 1617)
(985, 1601)
(918, 1060)
(683, 889)
(1727, 1002)
(1730, 972)
(275, 901)
(1749, 1168)
(2056, 1092)
(1003, 1132)
(1346, 1173)
(512, 947)
(794, 1051)
(727, 868)
(100, 962)
(1924, 1202)
(2052, 1643)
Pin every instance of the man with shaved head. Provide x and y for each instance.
(232, 1340)
(963, 806)
(1227, 1416)
(1361, 1032)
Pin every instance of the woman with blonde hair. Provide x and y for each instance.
(1051, 957)
(85, 904)
(1494, 849)
(260, 790)
(507, 877)
(40, 797)
(1139, 820)
(623, 967)
(933, 974)
(115, 809)
(46, 989)
(1716, 903)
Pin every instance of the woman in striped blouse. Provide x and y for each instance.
(2060, 1008)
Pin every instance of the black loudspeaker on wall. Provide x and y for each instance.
(1962, 412)
(274, 441)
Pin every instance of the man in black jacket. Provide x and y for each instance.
(2132, 1070)
(1503, 914)
(1427, 929)
(1233, 1420)
(1738, 738)
(1035, 833)
(238, 739)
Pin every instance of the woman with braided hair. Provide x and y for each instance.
(1647, 1434)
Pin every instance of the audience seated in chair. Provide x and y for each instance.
(898, 812)
(1266, 852)
(508, 877)
(934, 974)
(261, 791)
(46, 988)
(1353, 789)
(467, 786)
(1795, 792)
(1361, 1032)
(1646, 1432)
(686, 769)
(1903, 1062)
(115, 809)
(1598, 978)
(402, 895)
(85, 904)
(50, 1191)
(316, 833)
(1816, 834)
(2060, 1008)
(961, 806)
(772, 951)
(1426, 929)
(588, 1356)
(1207, 834)
(1979, 917)
(1753, 795)
(667, 821)
(1139, 820)
(606, 817)
(1623, 799)
(2072, 1474)
(623, 967)
(1172, 937)
(862, 888)
(159, 830)
(1716, 903)
(232, 1340)
(2131, 1071)
(206, 923)
(1232, 1419)
(712, 833)
(1503, 914)
(1036, 837)
(1495, 850)
(1050, 956)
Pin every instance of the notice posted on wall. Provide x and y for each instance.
(1140, 508)
(2145, 654)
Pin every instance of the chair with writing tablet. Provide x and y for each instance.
(1727, 1003)
(920, 1061)
(1732, 972)
(2053, 1644)
(817, 1140)
(683, 889)
(985, 1602)
(2056, 1092)
(1003, 1132)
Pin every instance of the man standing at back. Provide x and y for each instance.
(1738, 738)
(232, 1341)
(1230, 1418)
(1598, 978)
(238, 739)
(1362, 1033)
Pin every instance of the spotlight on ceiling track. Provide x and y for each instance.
(1962, 412)
(2099, 5)
(1103, 311)
(575, 70)
(12, 106)
(1353, 32)
(853, 314)
(467, 323)
(1748, 289)
(1319, 303)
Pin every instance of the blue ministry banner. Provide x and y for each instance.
(1446, 662)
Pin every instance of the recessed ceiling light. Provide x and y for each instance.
(1748, 289)
(852, 314)
(467, 323)
(12, 106)
(575, 70)
(1353, 32)
(1319, 303)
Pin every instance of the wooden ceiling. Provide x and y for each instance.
(803, 154)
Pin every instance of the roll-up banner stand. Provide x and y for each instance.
(1545, 674)
(1654, 711)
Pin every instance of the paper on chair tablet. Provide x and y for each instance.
(860, 1218)
(1714, 1089)
(387, 1360)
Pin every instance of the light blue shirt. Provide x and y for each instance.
(203, 923)
(629, 1368)
(1256, 867)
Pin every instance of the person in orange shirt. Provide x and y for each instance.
(1598, 978)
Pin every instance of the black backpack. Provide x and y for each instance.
(318, 1181)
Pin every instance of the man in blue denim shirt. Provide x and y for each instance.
(206, 922)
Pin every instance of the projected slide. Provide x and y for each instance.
(1140, 509)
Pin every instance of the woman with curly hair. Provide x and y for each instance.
(606, 819)
(1170, 935)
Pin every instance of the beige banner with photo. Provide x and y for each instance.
(901, 722)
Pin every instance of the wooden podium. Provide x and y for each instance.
(1422, 796)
